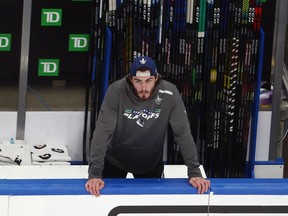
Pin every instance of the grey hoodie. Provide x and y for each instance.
(131, 132)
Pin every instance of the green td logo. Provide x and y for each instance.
(5, 42)
(79, 42)
(48, 67)
(51, 17)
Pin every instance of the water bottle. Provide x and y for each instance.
(12, 141)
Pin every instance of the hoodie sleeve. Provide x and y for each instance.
(182, 135)
(105, 126)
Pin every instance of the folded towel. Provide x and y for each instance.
(44, 152)
(2, 163)
(7, 160)
(45, 163)
(15, 154)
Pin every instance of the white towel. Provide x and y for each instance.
(2, 163)
(45, 152)
(15, 153)
(50, 163)
(7, 160)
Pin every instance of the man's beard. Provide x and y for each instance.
(143, 97)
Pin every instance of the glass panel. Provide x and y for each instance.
(10, 47)
(59, 55)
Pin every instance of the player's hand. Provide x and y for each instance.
(94, 186)
(200, 183)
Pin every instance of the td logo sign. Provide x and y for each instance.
(48, 67)
(5, 42)
(79, 42)
(51, 17)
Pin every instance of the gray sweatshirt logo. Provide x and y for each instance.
(158, 100)
(142, 115)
